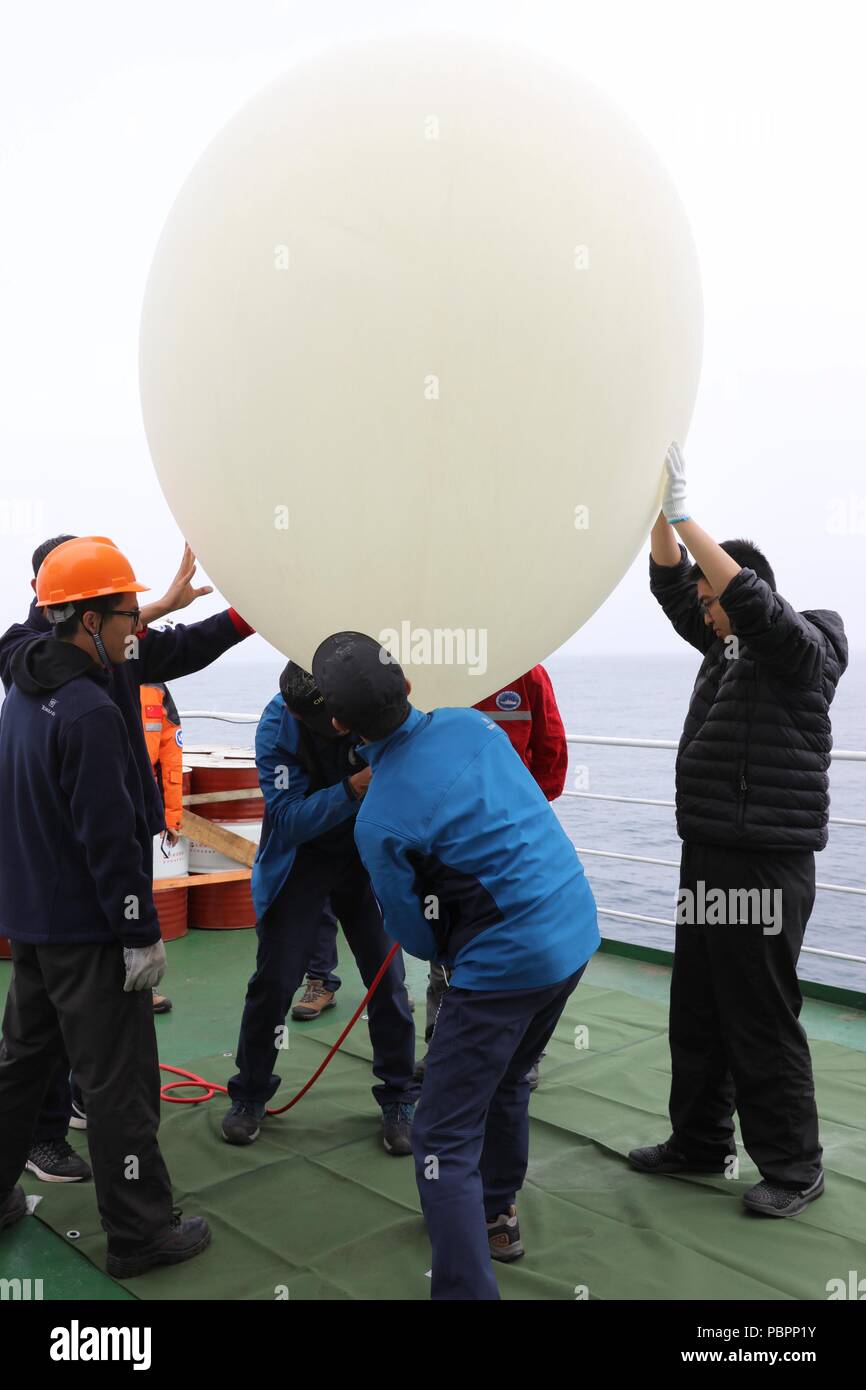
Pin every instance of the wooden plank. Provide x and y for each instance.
(162, 885)
(236, 794)
(207, 832)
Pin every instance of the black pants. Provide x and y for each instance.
(735, 1039)
(72, 997)
(56, 1112)
(287, 934)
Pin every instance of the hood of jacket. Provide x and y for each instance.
(830, 623)
(46, 663)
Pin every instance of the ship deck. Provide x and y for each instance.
(316, 1209)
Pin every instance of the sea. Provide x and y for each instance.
(629, 696)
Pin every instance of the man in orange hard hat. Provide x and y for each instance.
(152, 655)
(76, 902)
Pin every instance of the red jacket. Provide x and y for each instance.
(528, 712)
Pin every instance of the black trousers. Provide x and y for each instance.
(56, 1112)
(72, 997)
(287, 934)
(735, 1038)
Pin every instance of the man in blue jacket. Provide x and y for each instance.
(313, 782)
(76, 902)
(473, 870)
(149, 656)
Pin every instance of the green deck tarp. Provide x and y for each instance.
(316, 1209)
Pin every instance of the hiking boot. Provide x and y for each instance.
(241, 1124)
(503, 1236)
(13, 1207)
(161, 1005)
(313, 1002)
(776, 1199)
(182, 1241)
(52, 1160)
(664, 1158)
(397, 1128)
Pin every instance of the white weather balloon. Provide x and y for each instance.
(419, 329)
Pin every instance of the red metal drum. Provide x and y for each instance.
(222, 906)
(172, 909)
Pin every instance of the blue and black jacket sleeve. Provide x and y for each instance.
(388, 859)
(293, 815)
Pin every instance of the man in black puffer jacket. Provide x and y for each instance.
(752, 807)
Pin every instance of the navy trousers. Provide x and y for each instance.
(287, 934)
(470, 1137)
(322, 964)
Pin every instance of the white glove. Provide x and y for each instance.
(145, 966)
(674, 503)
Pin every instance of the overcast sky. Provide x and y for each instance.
(758, 110)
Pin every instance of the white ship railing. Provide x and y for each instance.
(838, 755)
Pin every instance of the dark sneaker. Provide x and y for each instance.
(664, 1158)
(78, 1119)
(397, 1128)
(774, 1199)
(420, 1068)
(182, 1241)
(532, 1076)
(13, 1207)
(53, 1160)
(241, 1124)
(503, 1236)
(313, 1002)
(161, 1004)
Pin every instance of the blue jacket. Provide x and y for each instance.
(467, 858)
(294, 814)
(162, 656)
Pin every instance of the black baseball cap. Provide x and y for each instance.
(305, 700)
(362, 683)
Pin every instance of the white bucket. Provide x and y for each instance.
(204, 860)
(173, 865)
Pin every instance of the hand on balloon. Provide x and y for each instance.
(180, 593)
(674, 504)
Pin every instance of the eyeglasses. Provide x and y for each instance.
(134, 613)
(707, 603)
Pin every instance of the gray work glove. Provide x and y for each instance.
(145, 966)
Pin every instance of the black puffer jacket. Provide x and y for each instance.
(752, 763)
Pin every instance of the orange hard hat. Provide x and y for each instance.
(85, 567)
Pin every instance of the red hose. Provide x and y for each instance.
(211, 1087)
